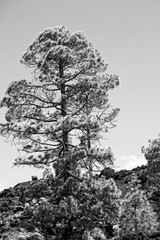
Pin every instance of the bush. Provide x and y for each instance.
(140, 236)
(36, 190)
(121, 174)
(108, 173)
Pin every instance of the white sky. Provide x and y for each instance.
(127, 34)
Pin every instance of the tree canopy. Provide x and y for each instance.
(58, 116)
(152, 155)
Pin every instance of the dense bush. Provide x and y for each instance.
(120, 175)
(108, 173)
(36, 189)
(77, 208)
(134, 237)
(137, 215)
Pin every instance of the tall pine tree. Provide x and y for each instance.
(57, 118)
(68, 96)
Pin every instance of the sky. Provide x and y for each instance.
(125, 32)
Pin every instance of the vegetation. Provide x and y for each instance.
(137, 216)
(97, 210)
(60, 115)
(58, 118)
(152, 154)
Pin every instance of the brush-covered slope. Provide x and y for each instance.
(25, 212)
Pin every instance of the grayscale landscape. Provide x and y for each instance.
(79, 120)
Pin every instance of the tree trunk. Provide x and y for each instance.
(88, 140)
(63, 112)
(65, 138)
(89, 149)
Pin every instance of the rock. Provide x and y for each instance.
(18, 209)
(22, 237)
(5, 235)
(36, 236)
(34, 178)
(2, 223)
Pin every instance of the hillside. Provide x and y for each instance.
(21, 219)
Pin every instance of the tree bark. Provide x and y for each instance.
(88, 140)
(63, 111)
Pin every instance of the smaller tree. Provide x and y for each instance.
(79, 209)
(137, 215)
(152, 155)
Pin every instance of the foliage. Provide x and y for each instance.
(78, 208)
(95, 234)
(153, 193)
(142, 175)
(152, 154)
(131, 236)
(58, 118)
(70, 209)
(121, 174)
(39, 189)
(108, 172)
(137, 215)
(66, 100)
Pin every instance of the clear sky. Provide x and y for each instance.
(126, 33)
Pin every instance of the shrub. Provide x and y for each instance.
(108, 173)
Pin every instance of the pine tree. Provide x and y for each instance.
(137, 215)
(152, 155)
(57, 118)
(80, 210)
(68, 96)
